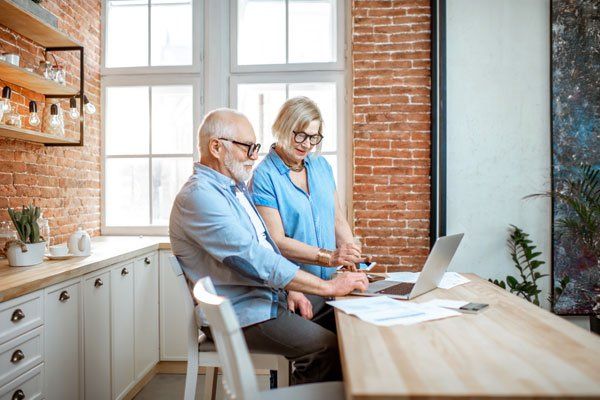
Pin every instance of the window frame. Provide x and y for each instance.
(197, 46)
(338, 65)
(154, 80)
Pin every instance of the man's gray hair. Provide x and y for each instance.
(217, 124)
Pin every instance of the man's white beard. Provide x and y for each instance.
(237, 169)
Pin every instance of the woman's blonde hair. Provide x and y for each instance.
(295, 115)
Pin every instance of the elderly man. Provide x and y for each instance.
(216, 231)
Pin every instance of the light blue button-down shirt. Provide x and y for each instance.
(309, 218)
(212, 235)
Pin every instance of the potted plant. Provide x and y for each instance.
(29, 248)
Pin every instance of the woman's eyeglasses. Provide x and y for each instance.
(300, 137)
(252, 147)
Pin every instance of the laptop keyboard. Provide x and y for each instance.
(400, 289)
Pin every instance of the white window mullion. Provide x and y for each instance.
(150, 191)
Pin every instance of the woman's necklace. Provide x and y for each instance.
(295, 168)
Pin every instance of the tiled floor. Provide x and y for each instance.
(171, 386)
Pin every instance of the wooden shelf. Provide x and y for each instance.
(34, 136)
(31, 26)
(33, 81)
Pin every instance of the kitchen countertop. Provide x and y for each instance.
(106, 250)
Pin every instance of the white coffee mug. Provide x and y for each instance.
(59, 250)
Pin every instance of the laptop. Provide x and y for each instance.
(429, 278)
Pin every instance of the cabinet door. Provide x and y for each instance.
(122, 351)
(146, 313)
(62, 332)
(173, 321)
(96, 328)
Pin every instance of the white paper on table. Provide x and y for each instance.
(364, 304)
(452, 279)
(452, 304)
(449, 280)
(384, 311)
(428, 313)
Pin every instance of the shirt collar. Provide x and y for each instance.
(278, 162)
(222, 180)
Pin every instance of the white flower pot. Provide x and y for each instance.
(34, 254)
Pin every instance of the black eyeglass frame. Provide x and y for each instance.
(252, 147)
(317, 136)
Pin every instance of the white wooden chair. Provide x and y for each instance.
(202, 352)
(236, 360)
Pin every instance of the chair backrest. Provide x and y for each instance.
(188, 304)
(238, 370)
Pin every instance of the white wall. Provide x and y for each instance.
(498, 129)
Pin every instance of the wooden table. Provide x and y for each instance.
(513, 349)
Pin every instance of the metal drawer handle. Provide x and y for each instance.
(147, 260)
(17, 356)
(18, 395)
(17, 315)
(124, 272)
(98, 282)
(64, 296)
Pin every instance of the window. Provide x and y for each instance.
(151, 90)
(287, 48)
(259, 53)
(142, 33)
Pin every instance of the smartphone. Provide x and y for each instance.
(472, 307)
(367, 266)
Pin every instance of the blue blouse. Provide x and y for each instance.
(309, 218)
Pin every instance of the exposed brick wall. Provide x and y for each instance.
(64, 181)
(391, 67)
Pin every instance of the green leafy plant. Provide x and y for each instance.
(26, 224)
(581, 195)
(523, 254)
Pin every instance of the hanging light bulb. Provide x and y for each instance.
(54, 119)
(88, 107)
(73, 110)
(34, 119)
(5, 104)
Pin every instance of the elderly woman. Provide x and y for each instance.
(294, 191)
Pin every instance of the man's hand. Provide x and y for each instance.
(347, 255)
(298, 301)
(347, 282)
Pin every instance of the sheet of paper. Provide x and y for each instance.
(364, 304)
(452, 279)
(384, 311)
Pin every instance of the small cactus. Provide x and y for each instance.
(26, 224)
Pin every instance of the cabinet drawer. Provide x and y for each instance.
(21, 354)
(20, 315)
(28, 386)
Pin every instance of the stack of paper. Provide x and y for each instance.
(384, 311)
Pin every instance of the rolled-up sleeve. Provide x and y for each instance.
(262, 190)
(208, 221)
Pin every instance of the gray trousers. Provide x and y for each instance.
(310, 344)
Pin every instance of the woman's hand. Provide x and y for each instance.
(347, 255)
(298, 301)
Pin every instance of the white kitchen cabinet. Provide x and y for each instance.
(173, 337)
(122, 329)
(96, 328)
(63, 344)
(145, 313)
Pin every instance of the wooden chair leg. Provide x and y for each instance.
(210, 383)
(283, 372)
